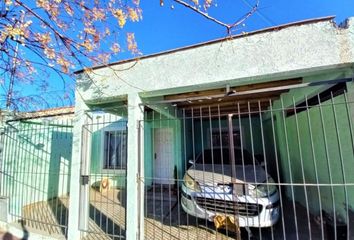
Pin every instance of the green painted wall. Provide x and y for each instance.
(331, 151)
(155, 120)
(36, 163)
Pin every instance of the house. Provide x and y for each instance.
(284, 94)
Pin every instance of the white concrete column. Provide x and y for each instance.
(134, 224)
(75, 215)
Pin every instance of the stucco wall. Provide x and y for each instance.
(291, 51)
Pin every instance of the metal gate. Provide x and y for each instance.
(35, 174)
(272, 165)
(103, 176)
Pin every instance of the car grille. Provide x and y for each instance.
(229, 207)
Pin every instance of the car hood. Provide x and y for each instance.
(212, 175)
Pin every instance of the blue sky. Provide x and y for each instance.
(164, 28)
(174, 26)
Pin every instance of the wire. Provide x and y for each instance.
(265, 18)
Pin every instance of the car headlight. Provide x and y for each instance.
(262, 190)
(191, 183)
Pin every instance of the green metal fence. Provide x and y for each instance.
(35, 173)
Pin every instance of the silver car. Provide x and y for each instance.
(209, 190)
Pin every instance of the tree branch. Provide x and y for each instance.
(204, 14)
(228, 27)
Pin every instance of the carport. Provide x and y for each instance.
(299, 131)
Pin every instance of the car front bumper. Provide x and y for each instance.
(267, 217)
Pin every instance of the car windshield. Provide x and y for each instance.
(221, 156)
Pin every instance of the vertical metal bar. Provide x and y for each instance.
(139, 178)
(145, 122)
(289, 166)
(14, 171)
(253, 158)
(62, 170)
(161, 185)
(21, 160)
(9, 167)
(203, 155)
(58, 133)
(111, 167)
(315, 164)
(5, 166)
(328, 163)
(341, 162)
(96, 126)
(193, 149)
(243, 161)
(37, 170)
(46, 159)
(177, 127)
(185, 155)
(231, 149)
(6, 169)
(20, 183)
(29, 173)
(154, 183)
(302, 169)
(169, 167)
(277, 169)
(264, 154)
(101, 204)
(116, 167)
(221, 155)
(214, 193)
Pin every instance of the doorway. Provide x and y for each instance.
(163, 156)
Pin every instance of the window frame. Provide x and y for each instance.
(116, 128)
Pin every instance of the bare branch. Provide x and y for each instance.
(244, 18)
(204, 14)
(228, 27)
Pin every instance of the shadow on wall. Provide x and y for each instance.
(59, 164)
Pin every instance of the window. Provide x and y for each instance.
(115, 149)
